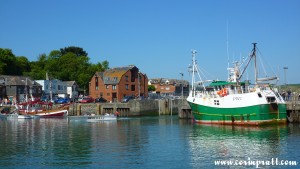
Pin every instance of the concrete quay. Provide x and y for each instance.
(132, 108)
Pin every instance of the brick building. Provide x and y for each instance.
(115, 83)
(170, 87)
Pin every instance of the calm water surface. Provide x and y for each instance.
(146, 142)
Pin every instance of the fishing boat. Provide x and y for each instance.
(42, 109)
(36, 107)
(235, 102)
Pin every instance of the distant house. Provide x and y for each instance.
(174, 87)
(115, 83)
(59, 88)
(72, 89)
(18, 88)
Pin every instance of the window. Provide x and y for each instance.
(96, 88)
(132, 87)
(101, 94)
(115, 79)
(114, 87)
(259, 94)
(271, 99)
(96, 82)
(106, 86)
(126, 78)
(127, 87)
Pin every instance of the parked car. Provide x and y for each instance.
(127, 98)
(63, 100)
(54, 99)
(87, 100)
(100, 100)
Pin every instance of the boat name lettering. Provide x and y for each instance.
(237, 98)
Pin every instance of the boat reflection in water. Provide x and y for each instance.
(238, 143)
(147, 142)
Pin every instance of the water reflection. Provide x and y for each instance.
(211, 142)
(148, 142)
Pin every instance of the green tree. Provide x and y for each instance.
(23, 65)
(7, 62)
(66, 64)
(151, 88)
(71, 63)
(38, 71)
(73, 49)
(55, 54)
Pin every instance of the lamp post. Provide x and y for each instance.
(181, 88)
(285, 68)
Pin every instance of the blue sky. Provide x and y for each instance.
(158, 35)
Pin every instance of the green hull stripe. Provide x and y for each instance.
(263, 112)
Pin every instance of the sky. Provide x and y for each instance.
(158, 36)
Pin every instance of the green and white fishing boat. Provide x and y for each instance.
(236, 102)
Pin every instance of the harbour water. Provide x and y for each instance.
(145, 142)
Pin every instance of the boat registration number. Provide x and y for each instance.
(237, 98)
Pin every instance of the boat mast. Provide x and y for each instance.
(255, 68)
(253, 55)
(193, 70)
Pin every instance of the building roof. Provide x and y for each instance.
(19, 80)
(114, 75)
(70, 83)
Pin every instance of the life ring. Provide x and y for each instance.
(224, 92)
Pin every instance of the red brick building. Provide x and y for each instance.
(115, 83)
(171, 87)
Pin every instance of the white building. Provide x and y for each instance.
(59, 88)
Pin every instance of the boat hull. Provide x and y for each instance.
(93, 118)
(251, 115)
(59, 113)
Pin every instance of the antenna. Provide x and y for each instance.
(227, 51)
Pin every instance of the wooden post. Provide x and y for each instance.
(98, 109)
(78, 109)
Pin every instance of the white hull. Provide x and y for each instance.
(102, 118)
(18, 116)
(235, 100)
(93, 118)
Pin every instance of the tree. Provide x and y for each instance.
(55, 54)
(38, 71)
(67, 64)
(23, 65)
(73, 49)
(101, 67)
(8, 64)
(151, 88)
